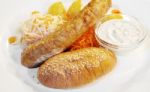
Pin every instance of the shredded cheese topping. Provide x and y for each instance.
(39, 26)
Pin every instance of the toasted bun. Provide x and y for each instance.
(76, 68)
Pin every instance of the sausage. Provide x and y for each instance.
(65, 35)
(76, 68)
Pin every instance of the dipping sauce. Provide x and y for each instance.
(121, 34)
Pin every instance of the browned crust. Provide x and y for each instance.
(76, 68)
(65, 35)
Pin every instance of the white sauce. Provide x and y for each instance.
(120, 32)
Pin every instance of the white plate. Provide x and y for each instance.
(16, 78)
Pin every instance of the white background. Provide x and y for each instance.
(9, 8)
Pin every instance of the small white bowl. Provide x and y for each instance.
(121, 48)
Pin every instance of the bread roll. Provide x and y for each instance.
(76, 68)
